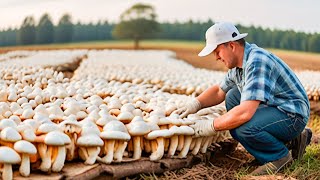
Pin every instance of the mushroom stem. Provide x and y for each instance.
(197, 146)
(206, 144)
(180, 142)
(59, 161)
(166, 144)
(185, 149)
(157, 155)
(93, 153)
(154, 146)
(118, 154)
(25, 165)
(136, 147)
(173, 145)
(45, 154)
(147, 147)
(7, 171)
(108, 148)
(193, 143)
(83, 153)
(70, 148)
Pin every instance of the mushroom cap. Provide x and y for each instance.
(47, 127)
(10, 134)
(117, 135)
(90, 128)
(153, 126)
(103, 120)
(159, 133)
(69, 122)
(125, 116)
(28, 135)
(25, 147)
(9, 156)
(164, 121)
(115, 126)
(32, 122)
(89, 140)
(56, 138)
(129, 107)
(138, 128)
(7, 123)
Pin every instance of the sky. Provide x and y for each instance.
(297, 15)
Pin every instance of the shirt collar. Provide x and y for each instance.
(247, 49)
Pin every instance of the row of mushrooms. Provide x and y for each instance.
(92, 119)
(159, 68)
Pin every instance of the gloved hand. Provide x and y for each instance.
(191, 107)
(203, 128)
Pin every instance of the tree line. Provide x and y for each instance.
(45, 32)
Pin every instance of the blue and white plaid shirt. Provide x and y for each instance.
(266, 78)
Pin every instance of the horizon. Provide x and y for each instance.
(299, 16)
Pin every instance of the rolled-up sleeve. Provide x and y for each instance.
(260, 78)
(228, 82)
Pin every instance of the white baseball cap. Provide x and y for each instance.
(220, 33)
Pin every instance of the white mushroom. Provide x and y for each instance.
(9, 136)
(8, 157)
(89, 147)
(137, 128)
(57, 140)
(157, 143)
(115, 137)
(72, 128)
(26, 149)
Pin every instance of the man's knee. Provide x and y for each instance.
(241, 133)
(232, 98)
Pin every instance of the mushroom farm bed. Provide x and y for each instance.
(84, 114)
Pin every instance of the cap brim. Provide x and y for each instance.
(207, 50)
(240, 36)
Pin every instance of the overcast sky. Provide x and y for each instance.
(299, 15)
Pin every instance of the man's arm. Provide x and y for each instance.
(236, 116)
(212, 96)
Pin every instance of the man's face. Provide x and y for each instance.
(224, 52)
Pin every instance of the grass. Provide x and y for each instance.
(306, 168)
(126, 44)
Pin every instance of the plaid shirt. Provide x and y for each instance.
(266, 78)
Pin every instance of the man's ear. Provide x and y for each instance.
(233, 45)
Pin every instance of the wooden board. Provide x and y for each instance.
(80, 171)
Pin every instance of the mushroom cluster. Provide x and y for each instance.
(112, 109)
(311, 82)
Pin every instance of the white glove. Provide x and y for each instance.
(203, 128)
(191, 107)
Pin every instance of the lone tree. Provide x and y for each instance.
(137, 23)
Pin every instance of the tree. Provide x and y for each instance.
(137, 23)
(27, 32)
(45, 30)
(64, 29)
(314, 43)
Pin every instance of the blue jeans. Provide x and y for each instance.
(265, 134)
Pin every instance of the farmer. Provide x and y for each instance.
(268, 108)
